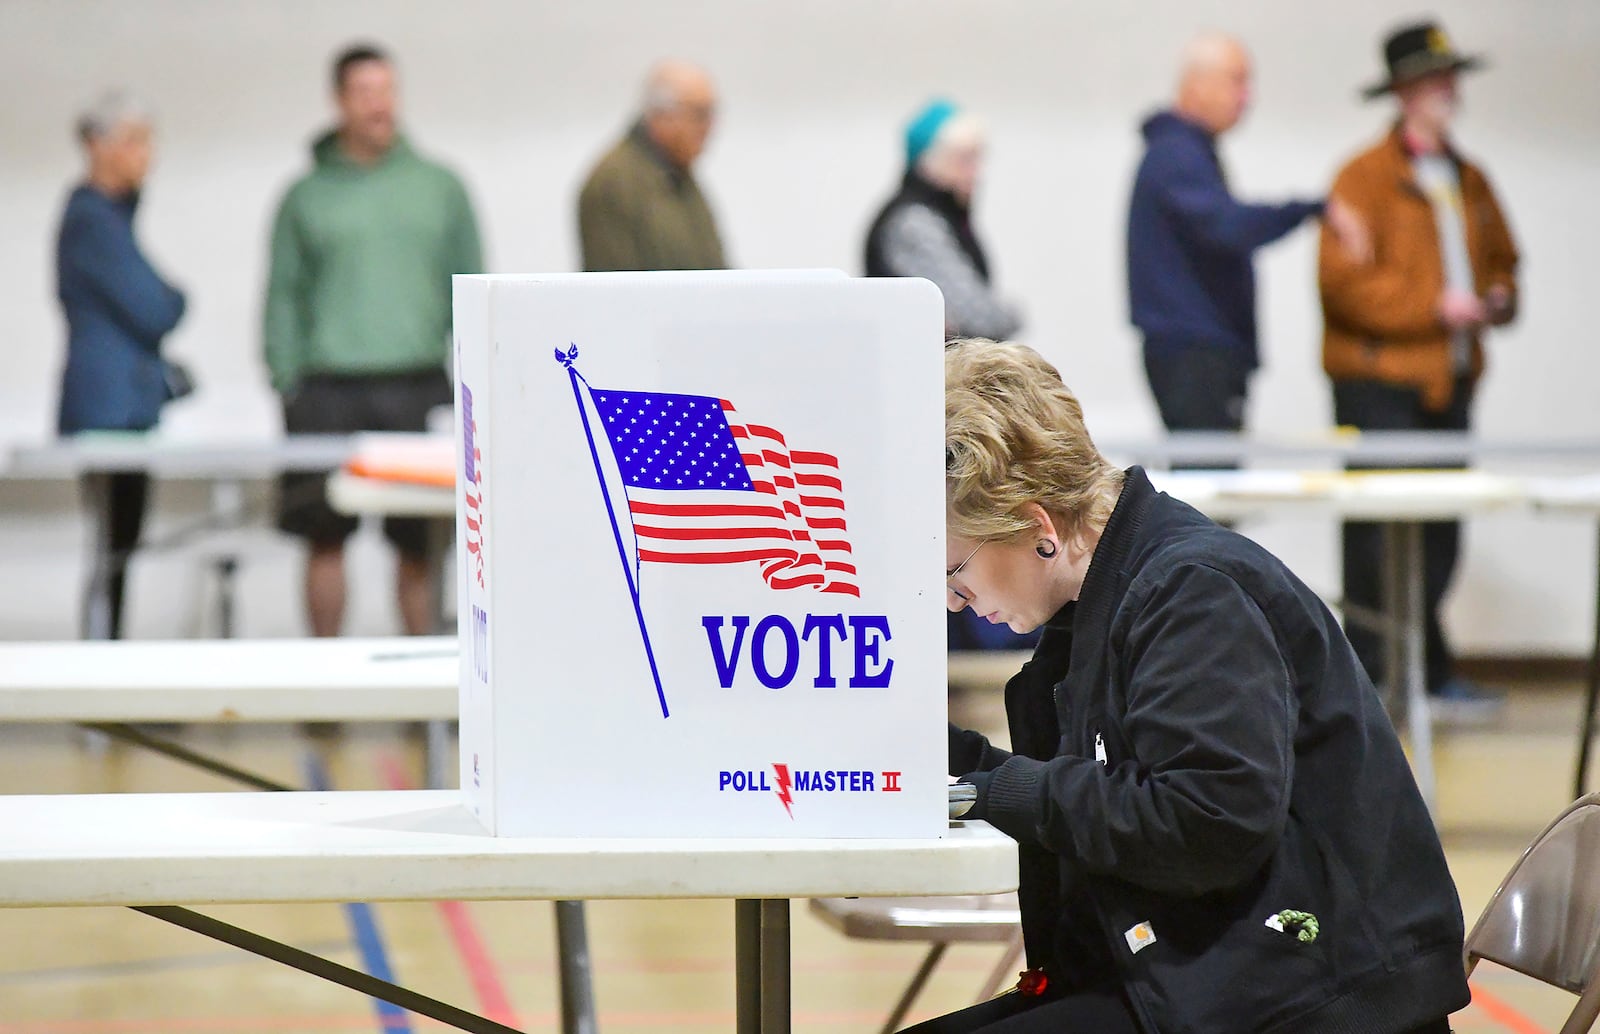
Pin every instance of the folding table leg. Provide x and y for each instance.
(227, 504)
(1419, 715)
(325, 969)
(178, 752)
(577, 993)
(918, 980)
(96, 617)
(1003, 969)
(747, 965)
(435, 749)
(775, 1015)
(1392, 625)
(1591, 697)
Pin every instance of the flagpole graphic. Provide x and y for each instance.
(703, 485)
(574, 376)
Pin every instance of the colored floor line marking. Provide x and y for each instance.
(1502, 1013)
(475, 955)
(165, 964)
(337, 1022)
(391, 1018)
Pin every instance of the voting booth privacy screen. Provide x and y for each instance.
(701, 538)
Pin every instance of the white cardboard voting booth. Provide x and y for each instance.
(702, 523)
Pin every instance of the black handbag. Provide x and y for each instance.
(177, 378)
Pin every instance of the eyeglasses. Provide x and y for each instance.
(950, 574)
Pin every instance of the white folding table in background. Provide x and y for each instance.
(1393, 450)
(387, 678)
(109, 686)
(1402, 501)
(160, 852)
(226, 466)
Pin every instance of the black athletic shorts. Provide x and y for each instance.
(340, 404)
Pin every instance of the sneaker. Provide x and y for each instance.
(1462, 703)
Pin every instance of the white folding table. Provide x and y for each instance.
(160, 852)
(109, 686)
(1372, 449)
(389, 679)
(226, 465)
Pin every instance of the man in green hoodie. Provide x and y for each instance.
(357, 320)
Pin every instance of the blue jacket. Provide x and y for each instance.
(1190, 277)
(118, 309)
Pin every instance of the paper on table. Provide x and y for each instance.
(1422, 483)
(1241, 484)
(421, 459)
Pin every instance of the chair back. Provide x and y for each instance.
(1544, 920)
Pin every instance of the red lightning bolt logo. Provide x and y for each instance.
(783, 788)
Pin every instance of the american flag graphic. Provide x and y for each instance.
(472, 487)
(706, 487)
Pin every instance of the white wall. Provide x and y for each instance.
(521, 96)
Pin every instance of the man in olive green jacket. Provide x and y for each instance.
(356, 325)
(641, 207)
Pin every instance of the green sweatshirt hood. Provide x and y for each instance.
(362, 257)
(327, 154)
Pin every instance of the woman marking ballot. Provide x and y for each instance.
(1217, 830)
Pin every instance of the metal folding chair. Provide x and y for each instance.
(1544, 920)
(986, 918)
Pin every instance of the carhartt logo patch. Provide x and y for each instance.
(1140, 937)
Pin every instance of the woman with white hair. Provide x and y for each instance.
(1217, 830)
(926, 228)
(118, 311)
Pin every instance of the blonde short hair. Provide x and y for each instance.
(1013, 435)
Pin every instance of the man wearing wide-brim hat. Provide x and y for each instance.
(1404, 328)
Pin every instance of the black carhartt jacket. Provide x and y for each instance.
(1201, 763)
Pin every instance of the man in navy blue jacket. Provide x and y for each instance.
(118, 311)
(1191, 284)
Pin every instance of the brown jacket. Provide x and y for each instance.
(1380, 317)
